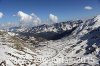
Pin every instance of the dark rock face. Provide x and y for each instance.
(93, 37)
(66, 33)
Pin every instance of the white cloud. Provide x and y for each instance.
(36, 19)
(24, 17)
(88, 7)
(53, 18)
(28, 20)
(1, 14)
(7, 25)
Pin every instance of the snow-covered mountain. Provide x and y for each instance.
(56, 27)
(48, 32)
(80, 48)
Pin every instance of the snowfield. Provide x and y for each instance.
(81, 48)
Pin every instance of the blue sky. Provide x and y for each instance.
(63, 9)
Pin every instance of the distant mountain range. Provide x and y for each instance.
(49, 32)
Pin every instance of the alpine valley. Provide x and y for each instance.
(70, 43)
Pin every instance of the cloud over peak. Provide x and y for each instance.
(1, 14)
(24, 17)
(33, 20)
(88, 8)
(53, 18)
(28, 19)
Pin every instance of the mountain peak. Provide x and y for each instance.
(98, 16)
(97, 21)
